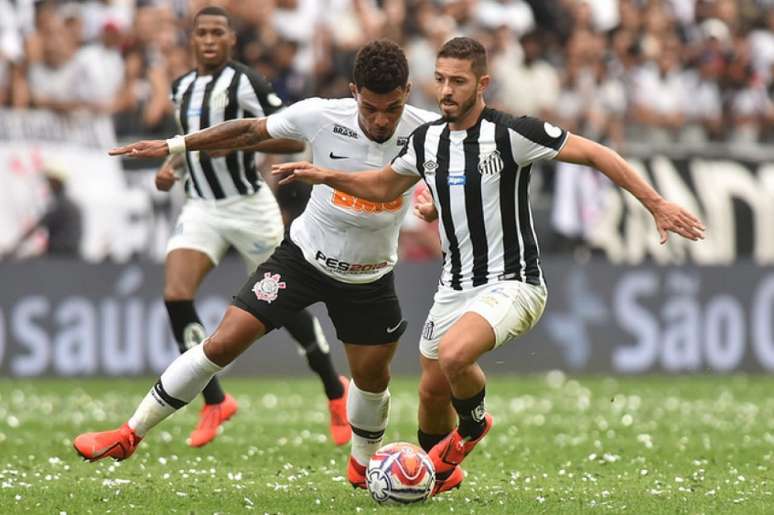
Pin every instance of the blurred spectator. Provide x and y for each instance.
(101, 68)
(61, 220)
(660, 95)
(529, 87)
(53, 73)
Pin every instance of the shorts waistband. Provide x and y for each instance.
(223, 202)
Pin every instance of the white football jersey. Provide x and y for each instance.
(345, 237)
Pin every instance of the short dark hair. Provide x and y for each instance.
(380, 66)
(468, 49)
(212, 10)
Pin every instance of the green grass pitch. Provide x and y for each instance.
(559, 445)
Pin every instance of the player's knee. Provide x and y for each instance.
(453, 358)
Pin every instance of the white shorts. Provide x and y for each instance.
(252, 224)
(511, 307)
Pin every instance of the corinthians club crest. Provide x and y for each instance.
(268, 288)
(491, 163)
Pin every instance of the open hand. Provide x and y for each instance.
(298, 171)
(424, 207)
(147, 148)
(672, 218)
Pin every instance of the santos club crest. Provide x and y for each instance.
(267, 288)
(491, 163)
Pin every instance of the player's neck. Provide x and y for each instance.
(204, 70)
(471, 117)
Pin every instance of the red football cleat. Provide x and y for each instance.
(450, 451)
(211, 417)
(356, 474)
(341, 432)
(452, 481)
(118, 444)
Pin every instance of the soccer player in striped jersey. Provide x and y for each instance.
(476, 162)
(229, 205)
(340, 251)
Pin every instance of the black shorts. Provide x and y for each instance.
(363, 314)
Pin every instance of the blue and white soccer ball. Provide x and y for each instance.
(400, 473)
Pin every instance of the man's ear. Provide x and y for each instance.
(483, 83)
(353, 90)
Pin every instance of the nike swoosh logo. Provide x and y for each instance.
(393, 329)
(334, 156)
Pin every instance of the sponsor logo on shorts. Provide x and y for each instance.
(428, 329)
(268, 288)
(344, 131)
(337, 265)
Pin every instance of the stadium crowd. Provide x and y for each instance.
(658, 72)
(618, 70)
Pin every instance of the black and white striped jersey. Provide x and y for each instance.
(479, 179)
(201, 101)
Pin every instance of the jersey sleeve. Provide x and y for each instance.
(533, 139)
(256, 96)
(405, 163)
(301, 121)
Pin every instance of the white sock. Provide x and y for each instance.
(368, 414)
(180, 383)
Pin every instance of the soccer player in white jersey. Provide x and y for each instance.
(476, 162)
(340, 251)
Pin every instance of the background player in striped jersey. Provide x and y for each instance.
(228, 205)
(476, 162)
(340, 251)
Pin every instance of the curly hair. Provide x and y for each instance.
(467, 49)
(380, 66)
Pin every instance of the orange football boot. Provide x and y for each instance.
(356, 473)
(452, 481)
(341, 431)
(211, 417)
(450, 451)
(118, 444)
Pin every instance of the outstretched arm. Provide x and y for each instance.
(229, 135)
(382, 185)
(668, 215)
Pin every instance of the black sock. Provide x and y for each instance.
(471, 412)
(427, 441)
(189, 331)
(304, 328)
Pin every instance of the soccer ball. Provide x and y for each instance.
(400, 473)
